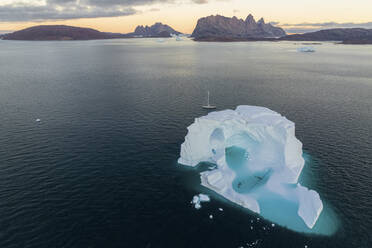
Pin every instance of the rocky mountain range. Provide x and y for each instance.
(211, 28)
(225, 28)
(344, 35)
(156, 30)
(63, 32)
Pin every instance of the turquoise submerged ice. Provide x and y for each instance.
(259, 161)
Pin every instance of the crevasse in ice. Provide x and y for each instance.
(259, 161)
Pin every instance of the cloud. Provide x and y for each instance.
(61, 1)
(200, 1)
(70, 9)
(122, 2)
(19, 13)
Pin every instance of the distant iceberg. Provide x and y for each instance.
(306, 50)
(177, 37)
(259, 161)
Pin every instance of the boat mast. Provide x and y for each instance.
(208, 97)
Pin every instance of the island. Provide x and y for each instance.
(210, 28)
(58, 32)
(63, 32)
(221, 28)
(342, 35)
(156, 30)
(257, 164)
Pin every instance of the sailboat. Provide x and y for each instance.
(208, 106)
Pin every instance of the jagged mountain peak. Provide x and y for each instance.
(250, 19)
(221, 27)
(261, 21)
(156, 30)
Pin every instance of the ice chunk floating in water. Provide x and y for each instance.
(198, 199)
(306, 50)
(259, 161)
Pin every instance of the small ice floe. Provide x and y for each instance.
(196, 202)
(305, 246)
(221, 209)
(251, 227)
(210, 216)
(273, 225)
(264, 228)
(204, 198)
(38, 120)
(253, 244)
(258, 219)
(198, 199)
(306, 50)
(178, 37)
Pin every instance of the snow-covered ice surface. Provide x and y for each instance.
(259, 161)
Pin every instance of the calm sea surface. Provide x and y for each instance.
(100, 168)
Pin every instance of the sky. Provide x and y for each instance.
(124, 15)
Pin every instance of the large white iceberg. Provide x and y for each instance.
(259, 161)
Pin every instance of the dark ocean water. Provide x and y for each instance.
(100, 168)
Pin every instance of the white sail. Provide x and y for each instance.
(208, 106)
